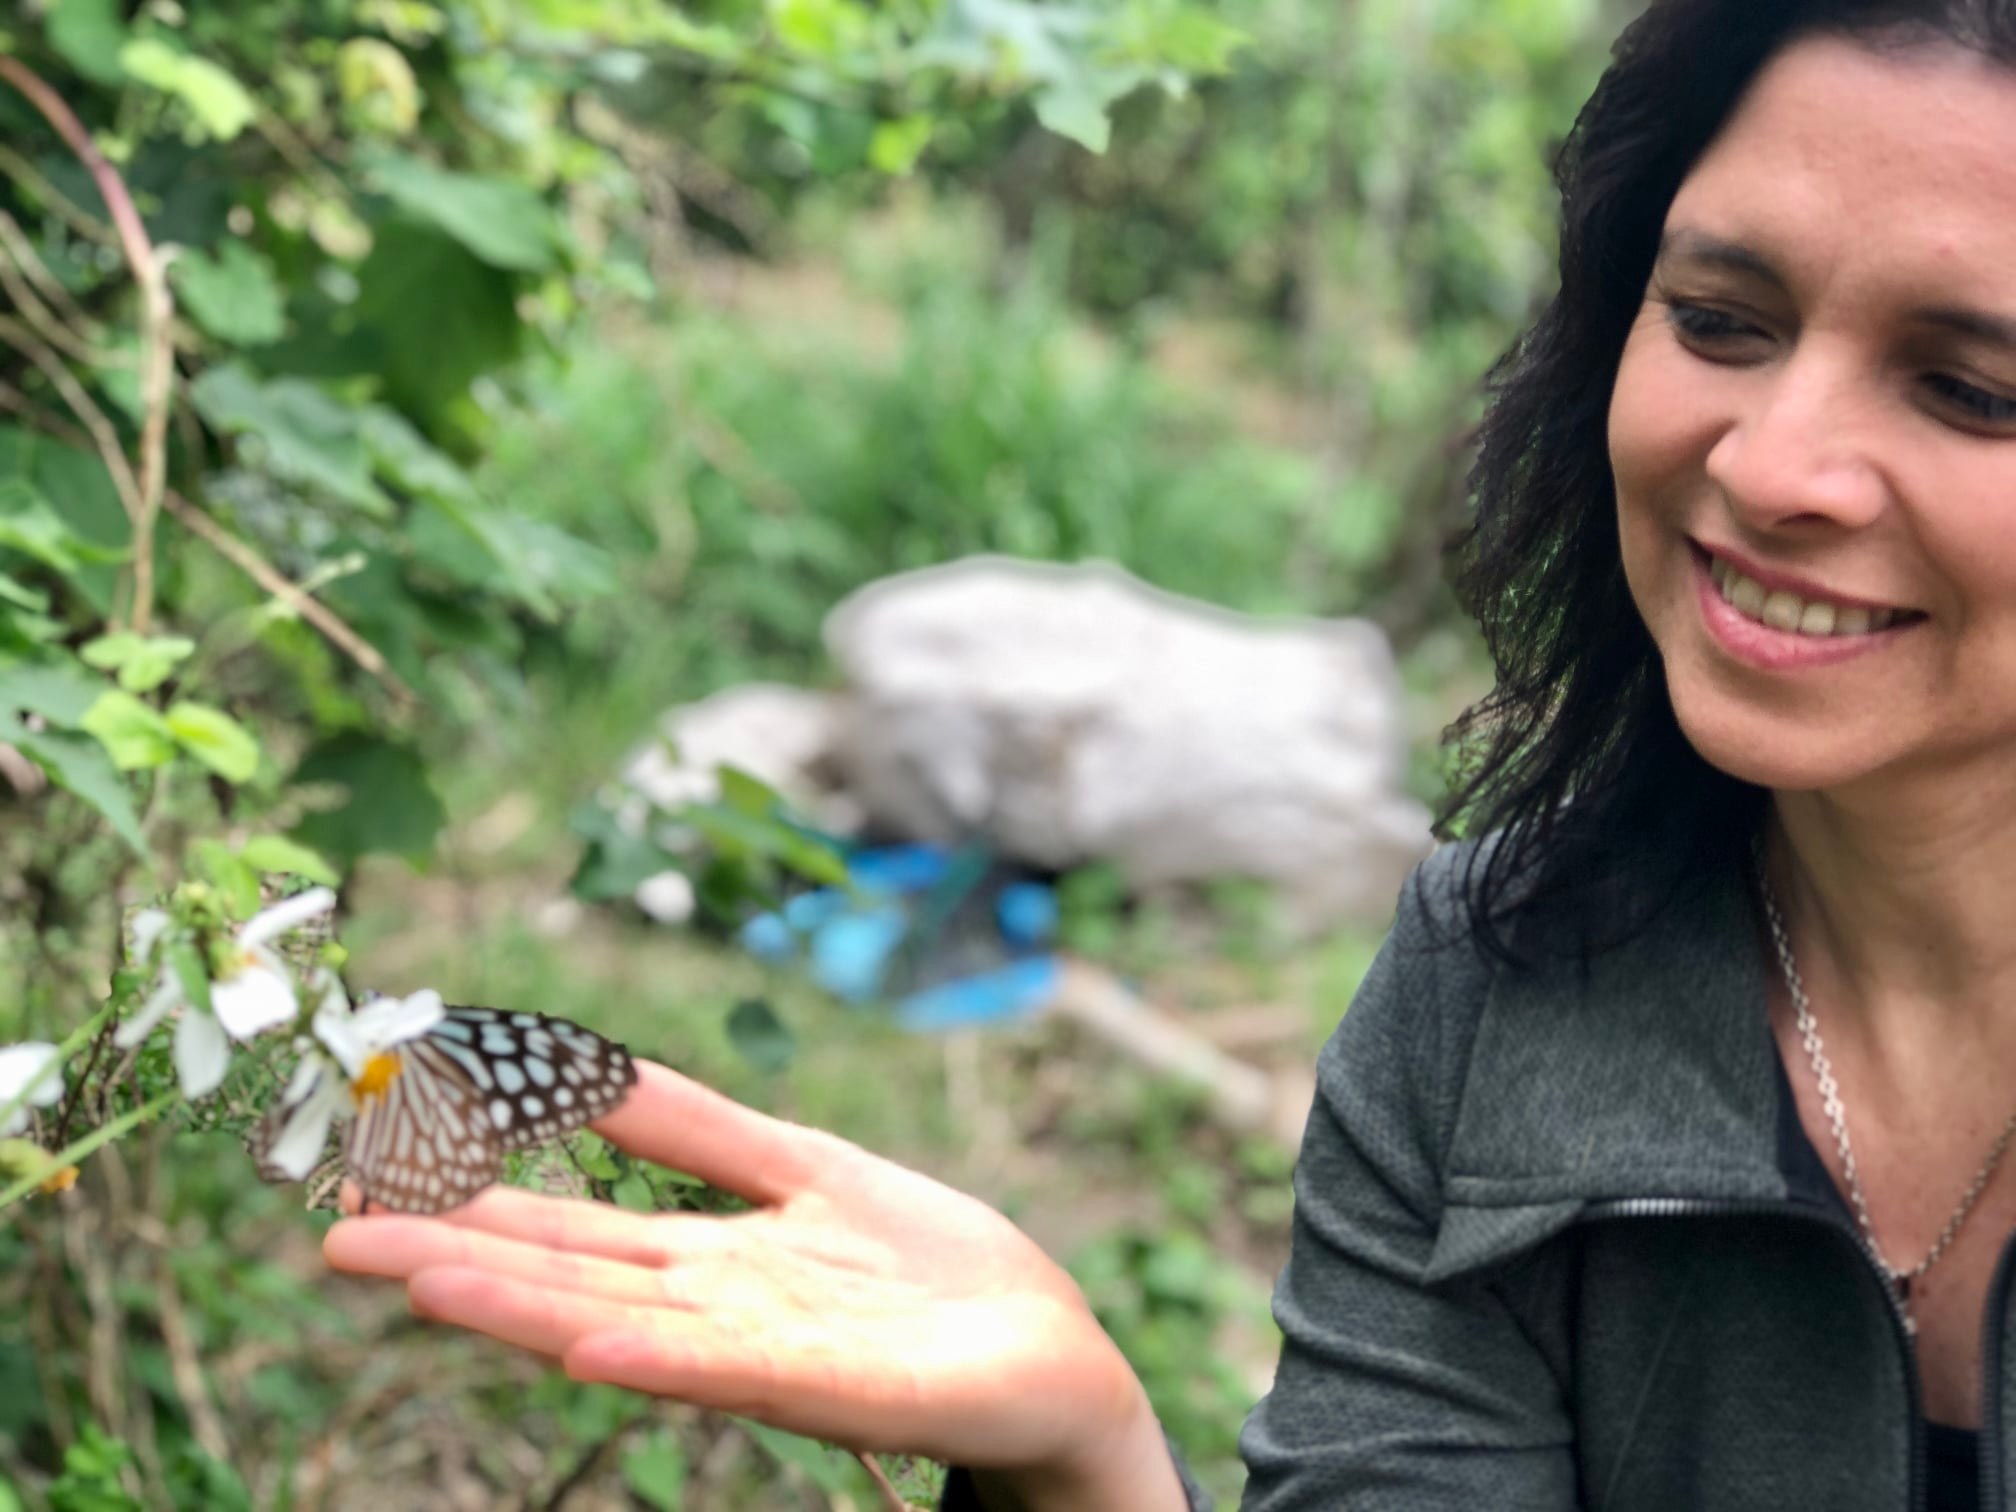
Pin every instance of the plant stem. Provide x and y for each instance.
(85, 1146)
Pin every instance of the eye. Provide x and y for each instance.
(1705, 326)
(1976, 404)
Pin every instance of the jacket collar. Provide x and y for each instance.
(1647, 1072)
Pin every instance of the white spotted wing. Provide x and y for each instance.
(479, 1083)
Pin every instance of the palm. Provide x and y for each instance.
(858, 1302)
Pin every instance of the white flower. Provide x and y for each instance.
(19, 1065)
(252, 996)
(343, 1065)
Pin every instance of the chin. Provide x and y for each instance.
(1770, 748)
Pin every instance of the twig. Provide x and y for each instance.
(891, 1501)
(67, 210)
(157, 309)
(103, 436)
(43, 300)
(184, 1367)
(311, 609)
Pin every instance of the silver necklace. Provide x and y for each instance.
(1830, 1095)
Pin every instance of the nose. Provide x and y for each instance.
(1797, 454)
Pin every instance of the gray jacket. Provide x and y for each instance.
(1544, 1256)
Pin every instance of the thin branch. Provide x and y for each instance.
(46, 283)
(185, 1368)
(313, 610)
(157, 309)
(892, 1500)
(38, 314)
(103, 435)
(64, 208)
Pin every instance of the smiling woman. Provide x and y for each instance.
(1659, 1163)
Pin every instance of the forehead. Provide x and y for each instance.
(1842, 159)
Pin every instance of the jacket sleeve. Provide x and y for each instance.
(1394, 1394)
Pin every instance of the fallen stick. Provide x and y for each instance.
(1240, 1096)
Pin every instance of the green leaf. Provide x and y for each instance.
(391, 805)
(401, 454)
(186, 961)
(760, 1037)
(89, 34)
(217, 101)
(742, 834)
(654, 1467)
(142, 663)
(32, 599)
(276, 853)
(747, 794)
(503, 222)
(134, 735)
(232, 293)
(443, 317)
(215, 739)
(299, 432)
(896, 145)
(28, 525)
(79, 765)
(540, 565)
(230, 874)
(632, 1192)
(1077, 113)
(58, 689)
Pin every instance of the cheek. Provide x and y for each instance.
(1655, 436)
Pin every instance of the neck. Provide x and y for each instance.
(1906, 905)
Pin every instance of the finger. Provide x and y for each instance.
(518, 1312)
(675, 1121)
(581, 1226)
(692, 1359)
(553, 1223)
(350, 1196)
(398, 1248)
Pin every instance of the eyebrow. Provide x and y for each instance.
(1699, 246)
(1715, 251)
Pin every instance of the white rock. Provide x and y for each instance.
(782, 735)
(1075, 713)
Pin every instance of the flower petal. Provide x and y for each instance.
(167, 994)
(19, 1065)
(386, 1022)
(147, 927)
(290, 913)
(163, 1000)
(258, 998)
(336, 1028)
(306, 1131)
(202, 1054)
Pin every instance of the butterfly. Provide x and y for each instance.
(435, 1096)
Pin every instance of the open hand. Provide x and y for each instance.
(859, 1302)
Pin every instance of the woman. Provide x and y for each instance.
(1659, 1162)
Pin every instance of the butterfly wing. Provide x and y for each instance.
(425, 1143)
(539, 1076)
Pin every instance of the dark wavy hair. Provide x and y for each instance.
(1603, 813)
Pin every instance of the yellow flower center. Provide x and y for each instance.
(377, 1075)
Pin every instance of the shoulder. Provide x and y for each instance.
(1393, 1068)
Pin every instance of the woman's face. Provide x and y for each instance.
(1813, 431)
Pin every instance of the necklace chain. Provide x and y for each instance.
(1837, 1119)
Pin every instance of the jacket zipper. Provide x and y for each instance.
(1734, 1207)
(1991, 1379)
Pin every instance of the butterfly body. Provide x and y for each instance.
(433, 1115)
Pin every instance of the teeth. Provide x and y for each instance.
(1789, 612)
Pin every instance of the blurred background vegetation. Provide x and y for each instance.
(579, 355)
